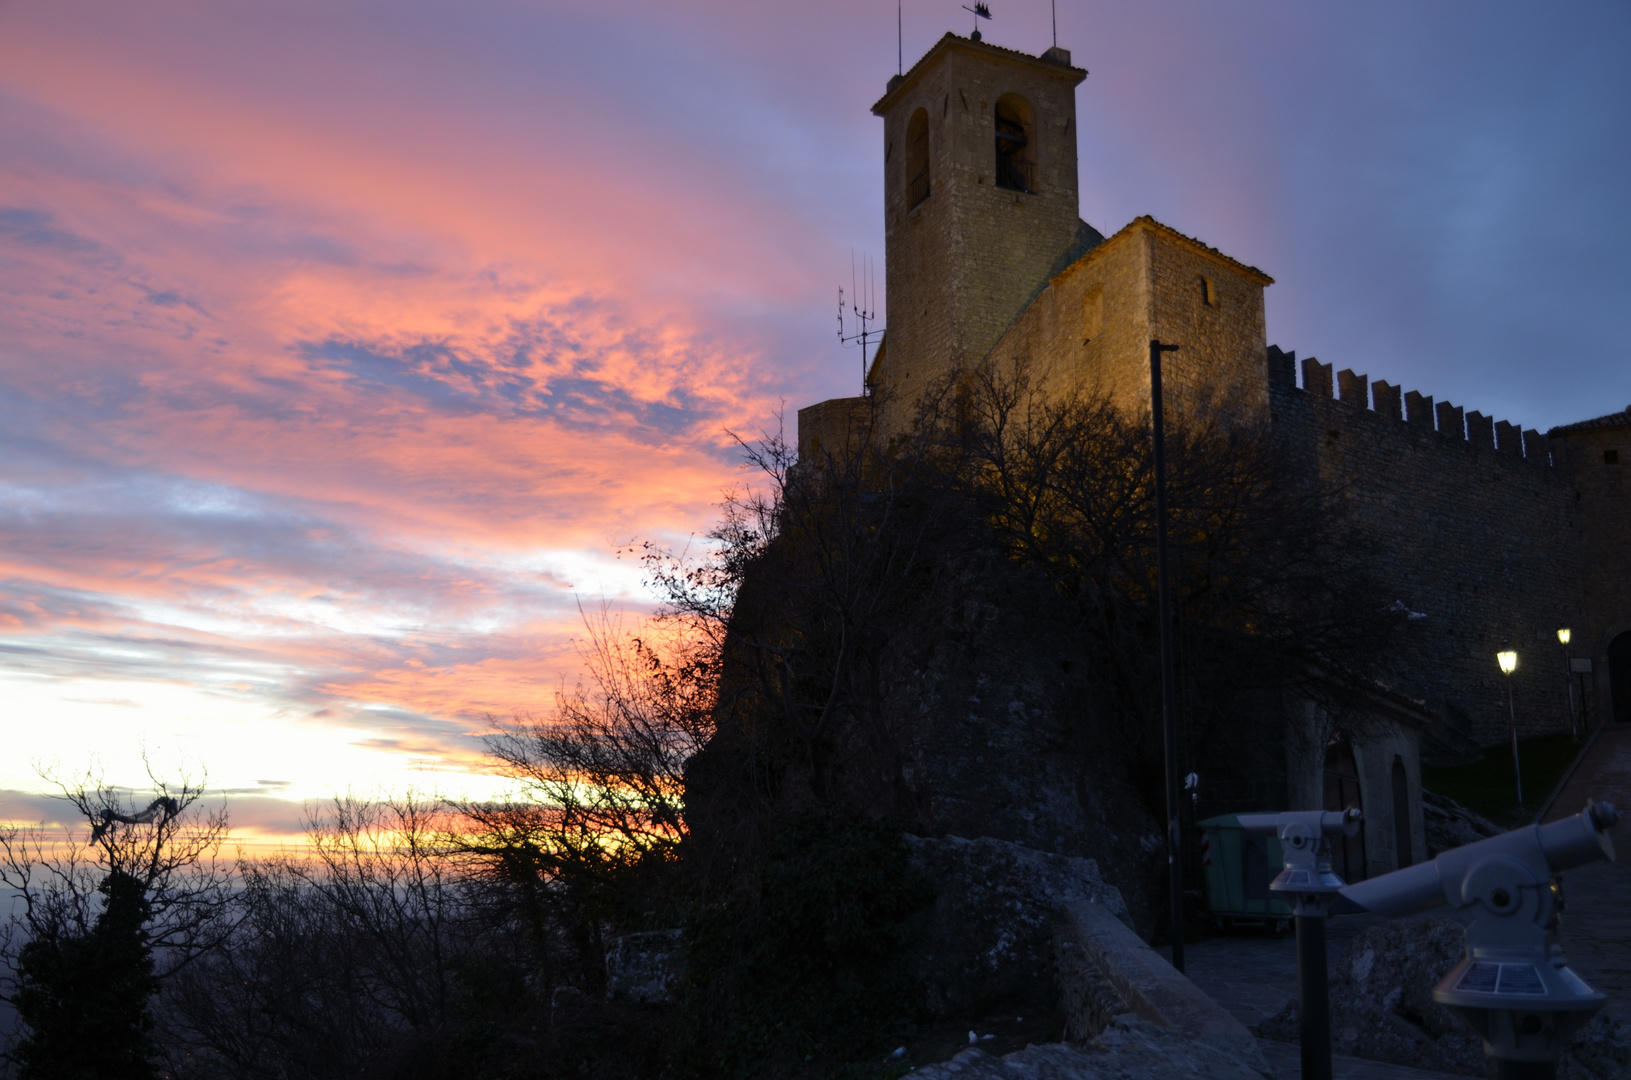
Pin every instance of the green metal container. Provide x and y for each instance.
(1238, 874)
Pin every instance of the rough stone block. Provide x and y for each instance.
(990, 933)
(644, 967)
(1451, 422)
(1480, 430)
(1508, 438)
(1282, 366)
(1150, 988)
(1317, 377)
(1387, 399)
(1130, 1049)
(1354, 388)
(831, 427)
(1419, 409)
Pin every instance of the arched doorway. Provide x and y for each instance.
(1401, 815)
(1619, 676)
(1341, 792)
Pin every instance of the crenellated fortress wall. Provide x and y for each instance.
(1475, 527)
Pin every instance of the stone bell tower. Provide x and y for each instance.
(980, 201)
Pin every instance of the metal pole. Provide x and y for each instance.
(1512, 724)
(1506, 1069)
(1313, 994)
(1169, 693)
(1568, 680)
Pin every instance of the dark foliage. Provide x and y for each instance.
(810, 963)
(84, 998)
(1272, 586)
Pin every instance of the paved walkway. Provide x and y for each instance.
(1254, 977)
(1604, 776)
(1597, 898)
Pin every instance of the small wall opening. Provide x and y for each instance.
(917, 158)
(1092, 313)
(1016, 144)
(1209, 293)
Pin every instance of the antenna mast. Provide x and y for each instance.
(863, 311)
(900, 42)
(1053, 8)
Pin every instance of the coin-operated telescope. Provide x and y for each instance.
(1305, 841)
(1513, 987)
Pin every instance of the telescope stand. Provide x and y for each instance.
(1314, 992)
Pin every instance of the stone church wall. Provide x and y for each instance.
(1090, 328)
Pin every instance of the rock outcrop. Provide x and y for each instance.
(644, 968)
(989, 936)
(1129, 1049)
(1450, 825)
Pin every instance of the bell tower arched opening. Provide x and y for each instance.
(1016, 144)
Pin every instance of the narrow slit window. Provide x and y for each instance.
(1092, 313)
(1209, 292)
(917, 158)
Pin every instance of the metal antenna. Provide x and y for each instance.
(863, 311)
(1053, 6)
(981, 11)
(900, 42)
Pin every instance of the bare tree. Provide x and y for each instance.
(341, 954)
(105, 913)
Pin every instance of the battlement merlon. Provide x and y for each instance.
(1411, 407)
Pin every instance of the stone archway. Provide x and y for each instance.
(1342, 790)
(1619, 676)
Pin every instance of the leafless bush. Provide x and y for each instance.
(342, 953)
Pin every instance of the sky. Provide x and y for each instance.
(344, 345)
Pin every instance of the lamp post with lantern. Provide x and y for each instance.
(1508, 659)
(1568, 680)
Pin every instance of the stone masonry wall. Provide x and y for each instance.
(1583, 451)
(1482, 541)
(1090, 328)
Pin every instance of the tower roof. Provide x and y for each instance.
(901, 83)
(1146, 223)
(1612, 420)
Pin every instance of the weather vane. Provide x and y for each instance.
(863, 310)
(981, 11)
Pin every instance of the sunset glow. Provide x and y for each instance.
(343, 347)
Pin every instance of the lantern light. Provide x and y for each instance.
(1508, 661)
(1563, 636)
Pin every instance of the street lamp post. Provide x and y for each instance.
(1169, 692)
(1509, 663)
(1568, 680)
